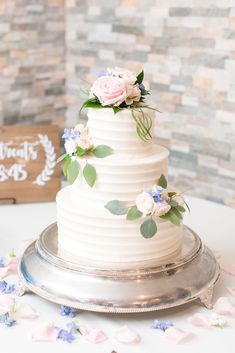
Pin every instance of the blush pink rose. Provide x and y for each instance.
(134, 94)
(110, 90)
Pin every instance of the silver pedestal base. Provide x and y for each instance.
(66, 280)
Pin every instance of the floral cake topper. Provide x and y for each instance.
(157, 202)
(79, 145)
(121, 89)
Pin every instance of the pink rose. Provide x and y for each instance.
(110, 90)
(134, 94)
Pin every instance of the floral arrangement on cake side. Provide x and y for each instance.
(121, 89)
(79, 145)
(155, 203)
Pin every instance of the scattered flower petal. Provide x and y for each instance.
(217, 321)
(224, 307)
(66, 336)
(2, 261)
(126, 335)
(7, 304)
(228, 268)
(231, 291)
(45, 331)
(6, 287)
(198, 320)
(24, 311)
(175, 335)
(73, 327)
(161, 325)
(93, 335)
(68, 311)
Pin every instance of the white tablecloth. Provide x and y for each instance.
(213, 222)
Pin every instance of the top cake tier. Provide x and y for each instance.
(119, 131)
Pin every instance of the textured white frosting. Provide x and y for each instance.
(91, 232)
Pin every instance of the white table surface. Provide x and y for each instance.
(213, 222)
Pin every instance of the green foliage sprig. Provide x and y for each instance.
(72, 167)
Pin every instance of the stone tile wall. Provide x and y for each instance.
(32, 55)
(187, 49)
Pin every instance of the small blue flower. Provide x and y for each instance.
(2, 261)
(104, 73)
(157, 195)
(67, 134)
(73, 327)
(161, 325)
(7, 320)
(68, 311)
(141, 86)
(71, 134)
(6, 287)
(66, 336)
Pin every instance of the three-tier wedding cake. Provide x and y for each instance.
(118, 211)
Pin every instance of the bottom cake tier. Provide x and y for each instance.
(91, 233)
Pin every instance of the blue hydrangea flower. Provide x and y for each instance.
(2, 261)
(71, 134)
(161, 325)
(68, 311)
(157, 195)
(66, 336)
(6, 287)
(7, 320)
(104, 73)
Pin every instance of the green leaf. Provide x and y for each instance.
(162, 181)
(180, 208)
(102, 151)
(140, 77)
(148, 229)
(61, 158)
(73, 171)
(170, 216)
(116, 109)
(170, 194)
(116, 207)
(89, 173)
(66, 166)
(80, 151)
(172, 203)
(133, 213)
(176, 212)
(187, 206)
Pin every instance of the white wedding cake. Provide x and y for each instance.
(124, 178)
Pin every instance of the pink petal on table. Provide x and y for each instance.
(228, 268)
(5, 271)
(45, 331)
(175, 335)
(126, 335)
(216, 254)
(224, 307)
(24, 311)
(12, 263)
(199, 320)
(7, 303)
(231, 291)
(93, 335)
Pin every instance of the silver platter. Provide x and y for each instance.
(64, 279)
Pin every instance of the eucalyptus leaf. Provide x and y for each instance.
(172, 203)
(73, 171)
(62, 157)
(89, 174)
(80, 151)
(102, 151)
(162, 181)
(170, 216)
(116, 207)
(176, 212)
(140, 77)
(180, 208)
(133, 213)
(66, 165)
(149, 228)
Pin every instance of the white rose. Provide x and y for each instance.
(127, 75)
(160, 210)
(70, 146)
(144, 203)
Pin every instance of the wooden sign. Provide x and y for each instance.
(28, 169)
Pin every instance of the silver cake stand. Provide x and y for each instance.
(63, 279)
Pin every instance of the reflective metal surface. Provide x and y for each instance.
(65, 279)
